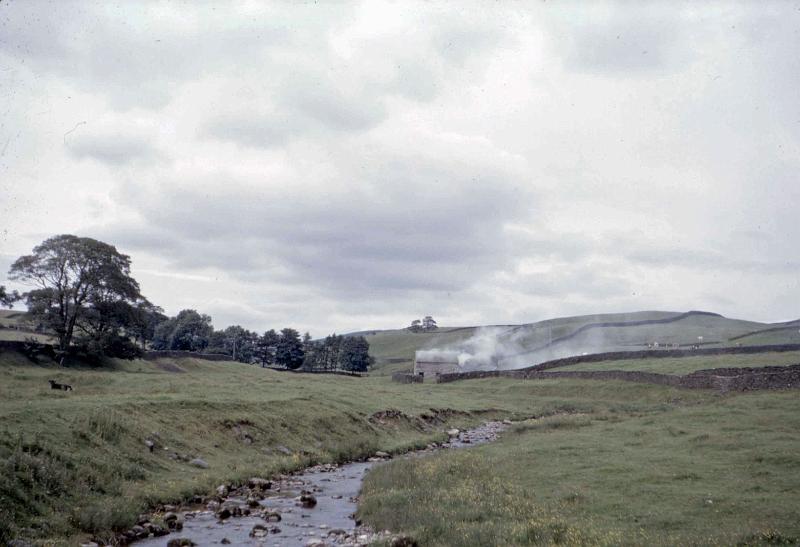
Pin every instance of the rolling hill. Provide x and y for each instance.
(531, 343)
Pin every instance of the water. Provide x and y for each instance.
(335, 488)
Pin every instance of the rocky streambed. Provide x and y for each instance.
(314, 507)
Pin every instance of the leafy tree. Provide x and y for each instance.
(266, 347)
(333, 345)
(145, 317)
(416, 325)
(188, 331)
(240, 343)
(289, 350)
(8, 298)
(355, 355)
(216, 342)
(81, 283)
(428, 323)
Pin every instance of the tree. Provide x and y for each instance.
(428, 323)
(354, 355)
(145, 317)
(239, 343)
(266, 347)
(289, 350)
(188, 331)
(8, 298)
(78, 282)
(416, 325)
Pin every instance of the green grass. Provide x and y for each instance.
(720, 471)
(686, 365)
(74, 464)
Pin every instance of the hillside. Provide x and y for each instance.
(531, 343)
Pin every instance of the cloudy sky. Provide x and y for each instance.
(349, 166)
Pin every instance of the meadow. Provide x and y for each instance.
(705, 470)
(75, 465)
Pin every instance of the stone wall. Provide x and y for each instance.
(724, 379)
(659, 353)
(406, 378)
(150, 355)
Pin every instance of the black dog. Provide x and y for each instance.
(56, 385)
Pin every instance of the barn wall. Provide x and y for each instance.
(432, 369)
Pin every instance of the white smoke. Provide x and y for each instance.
(484, 350)
(504, 348)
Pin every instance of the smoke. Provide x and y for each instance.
(484, 350)
(506, 348)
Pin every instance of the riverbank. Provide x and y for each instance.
(315, 505)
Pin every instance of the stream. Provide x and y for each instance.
(287, 515)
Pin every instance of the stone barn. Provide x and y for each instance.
(431, 363)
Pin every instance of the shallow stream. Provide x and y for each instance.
(329, 522)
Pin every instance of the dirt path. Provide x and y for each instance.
(313, 507)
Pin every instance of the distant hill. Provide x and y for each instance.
(532, 343)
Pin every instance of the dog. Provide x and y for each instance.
(56, 385)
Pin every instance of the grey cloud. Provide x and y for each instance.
(625, 42)
(463, 41)
(320, 101)
(588, 280)
(112, 149)
(252, 129)
(414, 224)
(125, 52)
(703, 259)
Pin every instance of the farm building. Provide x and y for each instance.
(431, 363)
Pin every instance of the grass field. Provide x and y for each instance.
(605, 462)
(75, 464)
(686, 365)
(717, 471)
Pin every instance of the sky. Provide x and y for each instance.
(348, 166)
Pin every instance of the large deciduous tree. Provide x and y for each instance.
(289, 351)
(267, 347)
(78, 283)
(188, 331)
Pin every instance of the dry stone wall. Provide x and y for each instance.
(724, 379)
(659, 354)
(406, 378)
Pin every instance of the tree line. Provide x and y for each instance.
(83, 294)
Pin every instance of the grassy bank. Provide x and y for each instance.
(73, 464)
(718, 471)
